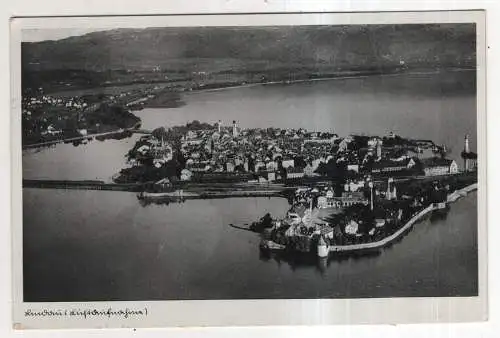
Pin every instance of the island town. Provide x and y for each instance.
(357, 192)
(348, 193)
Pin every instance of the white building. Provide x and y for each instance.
(271, 177)
(294, 174)
(186, 175)
(351, 228)
(271, 166)
(82, 132)
(439, 166)
(288, 163)
(229, 167)
(353, 167)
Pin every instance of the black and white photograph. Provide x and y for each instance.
(249, 162)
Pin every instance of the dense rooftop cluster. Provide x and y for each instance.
(274, 154)
(47, 118)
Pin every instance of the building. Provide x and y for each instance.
(470, 161)
(372, 142)
(344, 144)
(309, 170)
(353, 186)
(353, 167)
(82, 132)
(386, 166)
(271, 166)
(469, 157)
(351, 228)
(391, 193)
(191, 135)
(186, 175)
(260, 166)
(229, 167)
(346, 200)
(288, 163)
(379, 222)
(439, 166)
(294, 173)
(235, 129)
(199, 167)
(321, 141)
(379, 148)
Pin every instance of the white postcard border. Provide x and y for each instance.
(251, 312)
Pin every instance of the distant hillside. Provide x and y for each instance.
(215, 49)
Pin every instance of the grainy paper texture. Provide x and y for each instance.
(249, 169)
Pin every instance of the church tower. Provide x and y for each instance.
(379, 149)
(235, 129)
(391, 189)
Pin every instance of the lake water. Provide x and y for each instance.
(101, 245)
(440, 107)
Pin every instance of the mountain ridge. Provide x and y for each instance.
(216, 49)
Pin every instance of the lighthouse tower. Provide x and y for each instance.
(465, 154)
(235, 129)
(219, 126)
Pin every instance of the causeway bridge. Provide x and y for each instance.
(82, 185)
(87, 137)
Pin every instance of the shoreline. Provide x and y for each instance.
(330, 78)
(389, 239)
(352, 75)
(454, 196)
(81, 138)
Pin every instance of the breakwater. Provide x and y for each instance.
(386, 240)
(394, 236)
(389, 239)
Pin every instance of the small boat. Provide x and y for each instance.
(270, 245)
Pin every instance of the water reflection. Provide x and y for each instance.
(298, 261)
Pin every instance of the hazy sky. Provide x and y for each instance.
(33, 35)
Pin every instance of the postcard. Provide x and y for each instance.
(249, 169)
